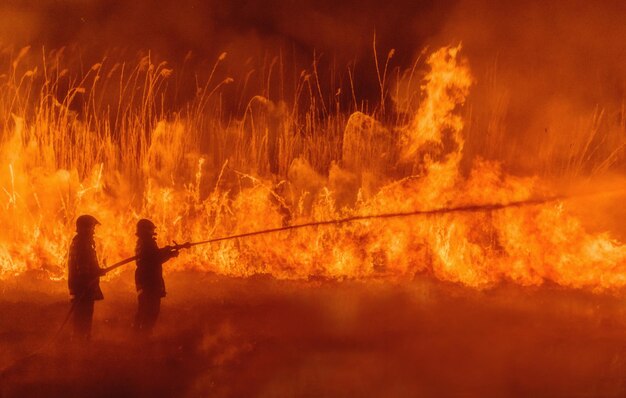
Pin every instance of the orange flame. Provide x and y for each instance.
(522, 245)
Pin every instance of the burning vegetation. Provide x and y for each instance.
(399, 199)
(105, 142)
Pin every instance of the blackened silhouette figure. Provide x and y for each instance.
(84, 276)
(149, 275)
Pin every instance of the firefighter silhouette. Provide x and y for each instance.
(84, 276)
(149, 275)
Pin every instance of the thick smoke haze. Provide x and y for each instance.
(547, 75)
(543, 70)
(225, 337)
(547, 100)
(252, 33)
(175, 27)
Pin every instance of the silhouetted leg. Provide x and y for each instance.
(141, 313)
(152, 312)
(82, 319)
(148, 307)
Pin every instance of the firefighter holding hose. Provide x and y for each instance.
(149, 275)
(84, 276)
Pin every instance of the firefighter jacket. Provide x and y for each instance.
(149, 272)
(83, 270)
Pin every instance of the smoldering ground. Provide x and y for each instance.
(222, 336)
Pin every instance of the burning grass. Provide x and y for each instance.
(115, 142)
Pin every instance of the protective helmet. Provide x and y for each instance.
(85, 222)
(145, 227)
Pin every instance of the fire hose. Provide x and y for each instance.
(437, 211)
(431, 212)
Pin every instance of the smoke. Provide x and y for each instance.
(549, 77)
(252, 33)
(229, 337)
(545, 56)
(550, 82)
(549, 92)
(173, 28)
(547, 100)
